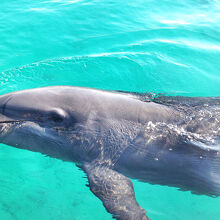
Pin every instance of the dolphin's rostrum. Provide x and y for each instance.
(114, 136)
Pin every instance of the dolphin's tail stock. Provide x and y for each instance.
(205, 171)
(188, 165)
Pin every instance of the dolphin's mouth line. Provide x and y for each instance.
(11, 121)
(14, 121)
(19, 121)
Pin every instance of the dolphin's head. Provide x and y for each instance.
(47, 120)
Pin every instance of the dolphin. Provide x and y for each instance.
(114, 136)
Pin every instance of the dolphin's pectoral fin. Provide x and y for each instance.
(115, 191)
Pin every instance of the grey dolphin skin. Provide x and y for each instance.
(114, 136)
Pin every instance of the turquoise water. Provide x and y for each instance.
(146, 46)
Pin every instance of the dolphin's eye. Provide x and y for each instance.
(56, 116)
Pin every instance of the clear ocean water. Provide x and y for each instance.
(144, 46)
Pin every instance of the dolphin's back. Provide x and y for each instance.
(183, 153)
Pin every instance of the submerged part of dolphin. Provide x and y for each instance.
(114, 136)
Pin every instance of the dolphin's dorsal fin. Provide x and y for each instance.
(115, 191)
